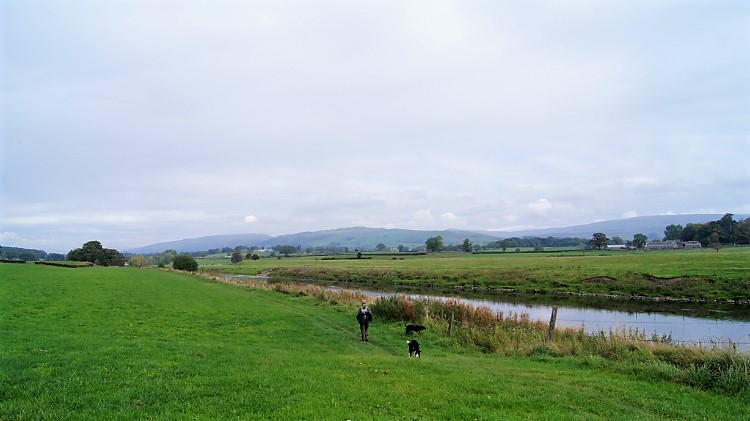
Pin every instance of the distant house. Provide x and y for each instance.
(672, 245)
(617, 247)
(662, 245)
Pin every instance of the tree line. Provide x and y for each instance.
(722, 231)
(435, 244)
(30, 255)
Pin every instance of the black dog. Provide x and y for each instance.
(414, 350)
(414, 328)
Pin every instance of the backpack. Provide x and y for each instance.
(364, 315)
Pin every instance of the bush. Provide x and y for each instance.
(186, 263)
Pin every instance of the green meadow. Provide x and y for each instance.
(684, 274)
(124, 343)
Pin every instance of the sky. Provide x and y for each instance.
(141, 121)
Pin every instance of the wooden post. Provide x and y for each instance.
(450, 326)
(552, 321)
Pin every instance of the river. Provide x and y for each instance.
(706, 324)
(719, 328)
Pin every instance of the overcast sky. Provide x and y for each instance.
(135, 122)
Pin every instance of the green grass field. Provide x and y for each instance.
(120, 343)
(693, 274)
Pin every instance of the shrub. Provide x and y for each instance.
(184, 262)
(734, 380)
(395, 307)
(697, 376)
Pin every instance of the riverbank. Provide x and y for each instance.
(514, 333)
(352, 279)
(678, 276)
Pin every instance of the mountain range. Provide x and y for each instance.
(364, 238)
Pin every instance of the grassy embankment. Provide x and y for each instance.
(117, 343)
(688, 274)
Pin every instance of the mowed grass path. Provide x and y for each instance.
(118, 343)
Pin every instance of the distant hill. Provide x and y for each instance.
(651, 226)
(203, 243)
(367, 238)
(355, 238)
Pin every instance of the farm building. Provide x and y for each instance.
(672, 245)
(662, 245)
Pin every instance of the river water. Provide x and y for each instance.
(718, 328)
(707, 324)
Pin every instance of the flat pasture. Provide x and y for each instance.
(127, 343)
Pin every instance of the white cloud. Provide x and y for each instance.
(630, 214)
(15, 240)
(448, 216)
(451, 220)
(422, 217)
(541, 205)
(422, 114)
(642, 181)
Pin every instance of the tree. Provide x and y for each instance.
(402, 248)
(255, 256)
(138, 261)
(92, 251)
(466, 246)
(435, 244)
(599, 240)
(617, 240)
(726, 225)
(112, 257)
(690, 232)
(236, 255)
(380, 247)
(742, 232)
(673, 232)
(504, 245)
(639, 241)
(286, 250)
(185, 262)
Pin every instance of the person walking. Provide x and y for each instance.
(364, 317)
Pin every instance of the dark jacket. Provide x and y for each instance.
(364, 315)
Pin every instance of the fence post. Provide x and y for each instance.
(552, 321)
(450, 326)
